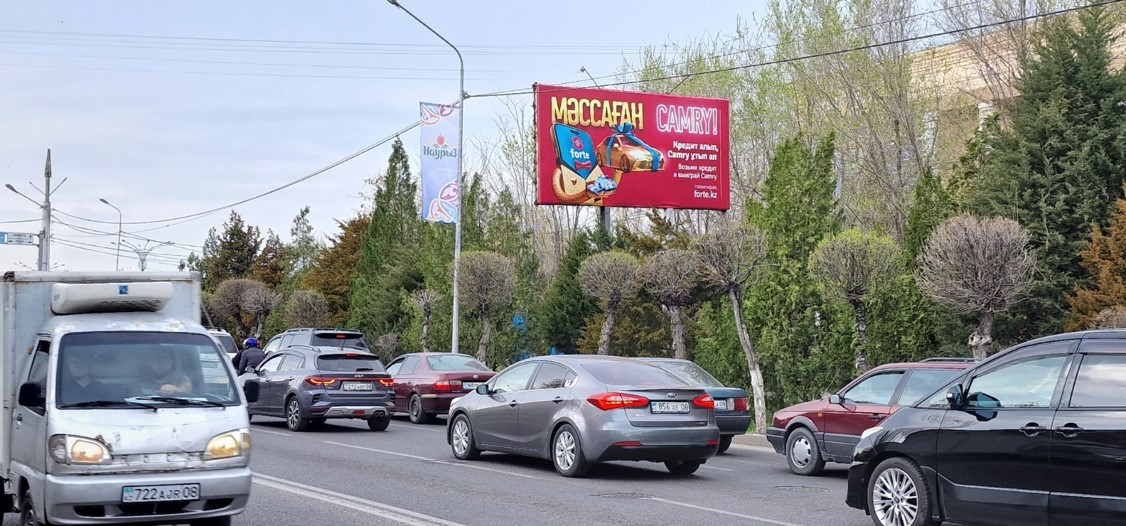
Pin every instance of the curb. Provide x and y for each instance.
(752, 440)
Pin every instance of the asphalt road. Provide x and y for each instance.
(342, 473)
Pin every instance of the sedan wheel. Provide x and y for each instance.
(293, 419)
(802, 453)
(567, 453)
(417, 414)
(461, 439)
(897, 495)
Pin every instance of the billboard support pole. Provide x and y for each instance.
(604, 218)
(460, 154)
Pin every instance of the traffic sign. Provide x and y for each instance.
(17, 238)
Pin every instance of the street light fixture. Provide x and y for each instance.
(460, 154)
(117, 262)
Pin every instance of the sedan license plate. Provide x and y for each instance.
(721, 404)
(469, 386)
(357, 386)
(160, 493)
(669, 407)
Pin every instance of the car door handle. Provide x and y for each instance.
(1069, 430)
(557, 399)
(513, 403)
(1032, 429)
(19, 417)
(876, 416)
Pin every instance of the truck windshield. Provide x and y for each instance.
(128, 369)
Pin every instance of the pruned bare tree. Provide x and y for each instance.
(387, 345)
(729, 257)
(1110, 318)
(425, 300)
(306, 308)
(977, 265)
(849, 265)
(488, 282)
(246, 303)
(671, 277)
(612, 278)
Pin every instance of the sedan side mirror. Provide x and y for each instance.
(835, 399)
(483, 389)
(955, 396)
(31, 395)
(251, 391)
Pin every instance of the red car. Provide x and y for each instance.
(426, 383)
(827, 430)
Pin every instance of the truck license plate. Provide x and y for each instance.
(357, 386)
(669, 407)
(160, 493)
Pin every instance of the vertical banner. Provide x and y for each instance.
(439, 162)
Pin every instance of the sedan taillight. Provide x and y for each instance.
(447, 385)
(705, 401)
(740, 404)
(608, 401)
(320, 381)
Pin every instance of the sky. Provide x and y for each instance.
(168, 109)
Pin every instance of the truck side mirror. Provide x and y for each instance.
(31, 395)
(251, 391)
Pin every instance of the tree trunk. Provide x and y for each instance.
(425, 338)
(676, 325)
(486, 335)
(607, 326)
(758, 389)
(981, 340)
(861, 334)
(240, 326)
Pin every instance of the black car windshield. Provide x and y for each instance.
(454, 362)
(135, 367)
(689, 372)
(339, 339)
(634, 374)
(349, 363)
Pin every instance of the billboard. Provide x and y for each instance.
(601, 147)
(439, 162)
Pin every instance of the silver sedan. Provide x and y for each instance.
(579, 410)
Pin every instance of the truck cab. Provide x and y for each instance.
(119, 405)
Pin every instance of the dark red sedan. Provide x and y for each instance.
(827, 430)
(426, 383)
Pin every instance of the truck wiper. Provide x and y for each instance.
(108, 403)
(180, 401)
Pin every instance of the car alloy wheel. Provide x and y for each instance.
(565, 450)
(895, 498)
(461, 437)
(293, 418)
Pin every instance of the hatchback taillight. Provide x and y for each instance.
(447, 385)
(740, 404)
(705, 401)
(320, 381)
(608, 401)
(390, 382)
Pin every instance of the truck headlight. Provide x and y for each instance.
(69, 449)
(227, 445)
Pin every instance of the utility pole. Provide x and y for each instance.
(117, 259)
(44, 262)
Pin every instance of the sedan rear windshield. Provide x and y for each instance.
(339, 339)
(454, 362)
(632, 374)
(342, 363)
(690, 372)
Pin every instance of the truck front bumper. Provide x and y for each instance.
(96, 499)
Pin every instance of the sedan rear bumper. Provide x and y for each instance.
(777, 438)
(658, 453)
(439, 403)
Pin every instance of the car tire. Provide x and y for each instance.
(724, 443)
(567, 452)
(379, 423)
(803, 455)
(909, 503)
(683, 467)
(462, 443)
(213, 521)
(27, 516)
(294, 420)
(417, 414)
(625, 164)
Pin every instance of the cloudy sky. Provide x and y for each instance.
(168, 109)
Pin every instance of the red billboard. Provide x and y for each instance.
(600, 147)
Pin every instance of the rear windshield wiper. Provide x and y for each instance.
(180, 401)
(108, 403)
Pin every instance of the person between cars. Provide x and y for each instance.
(164, 378)
(251, 355)
(77, 383)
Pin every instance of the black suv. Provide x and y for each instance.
(317, 338)
(1036, 434)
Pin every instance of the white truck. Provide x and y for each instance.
(118, 407)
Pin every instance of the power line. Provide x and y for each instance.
(243, 63)
(91, 232)
(14, 221)
(225, 73)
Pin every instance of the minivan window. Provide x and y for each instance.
(637, 374)
(1101, 381)
(349, 363)
(874, 390)
(923, 382)
(108, 369)
(454, 362)
(1023, 383)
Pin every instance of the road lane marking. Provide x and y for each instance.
(723, 512)
(713, 467)
(752, 448)
(419, 427)
(268, 432)
(370, 507)
(433, 460)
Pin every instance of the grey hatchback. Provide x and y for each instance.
(582, 410)
(306, 385)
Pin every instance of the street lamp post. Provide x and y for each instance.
(117, 262)
(460, 155)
